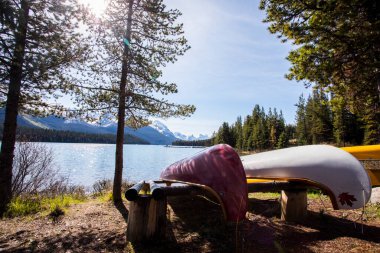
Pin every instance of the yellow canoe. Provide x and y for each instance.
(367, 153)
(370, 152)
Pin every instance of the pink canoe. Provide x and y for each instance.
(220, 171)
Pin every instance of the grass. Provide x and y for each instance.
(276, 195)
(105, 197)
(27, 205)
(55, 206)
(373, 211)
(22, 207)
(264, 195)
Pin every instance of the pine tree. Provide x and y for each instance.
(39, 41)
(283, 141)
(339, 127)
(302, 122)
(247, 132)
(133, 41)
(319, 114)
(225, 135)
(238, 131)
(338, 48)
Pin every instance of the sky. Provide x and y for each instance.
(234, 63)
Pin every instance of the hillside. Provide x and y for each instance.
(48, 135)
(156, 133)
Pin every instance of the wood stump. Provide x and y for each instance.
(147, 219)
(293, 205)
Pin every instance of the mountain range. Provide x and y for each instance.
(157, 133)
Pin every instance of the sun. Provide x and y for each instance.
(97, 6)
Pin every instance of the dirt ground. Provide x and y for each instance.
(195, 225)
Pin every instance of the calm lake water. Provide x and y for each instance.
(86, 163)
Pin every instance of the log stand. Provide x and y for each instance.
(147, 219)
(293, 205)
(147, 209)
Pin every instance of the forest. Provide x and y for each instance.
(320, 119)
(48, 135)
(112, 67)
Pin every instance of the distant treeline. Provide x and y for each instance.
(319, 119)
(197, 143)
(47, 135)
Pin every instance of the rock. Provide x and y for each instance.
(375, 197)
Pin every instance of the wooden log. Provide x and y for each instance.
(146, 219)
(156, 190)
(132, 193)
(183, 190)
(293, 205)
(159, 192)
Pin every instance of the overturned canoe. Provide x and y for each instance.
(336, 172)
(219, 170)
(368, 154)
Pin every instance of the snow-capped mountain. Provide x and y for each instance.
(156, 133)
(180, 136)
(190, 137)
(163, 129)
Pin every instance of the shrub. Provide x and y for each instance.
(23, 206)
(34, 171)
(102, 186)
(31, 204)
(56, 212)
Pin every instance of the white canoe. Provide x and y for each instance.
(335, 171)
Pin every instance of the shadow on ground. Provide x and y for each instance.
(196, 224)
(122, 210)
(90, 240)
(316, 228)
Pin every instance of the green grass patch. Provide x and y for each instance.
(63, 201)
(22, 206)
(105, 197)
(264, 195)
(373, 211)
(276, 195)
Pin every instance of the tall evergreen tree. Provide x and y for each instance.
(39, 40)
(247, 132)
(134, 40)
(283, 141)
(225, 135)
(302, 122)
(319, 113)
(338, 48)
(338, 108)
(238, 131)
(272, 129)
(260, 135)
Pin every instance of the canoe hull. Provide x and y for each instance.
(219, 170)
(333, 170)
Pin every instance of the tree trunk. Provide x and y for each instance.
(121, 114)
(11, 109)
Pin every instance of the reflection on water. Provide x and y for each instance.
(85, 163)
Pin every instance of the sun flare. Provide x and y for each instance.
(97, 6)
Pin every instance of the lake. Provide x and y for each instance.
(86, 163)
